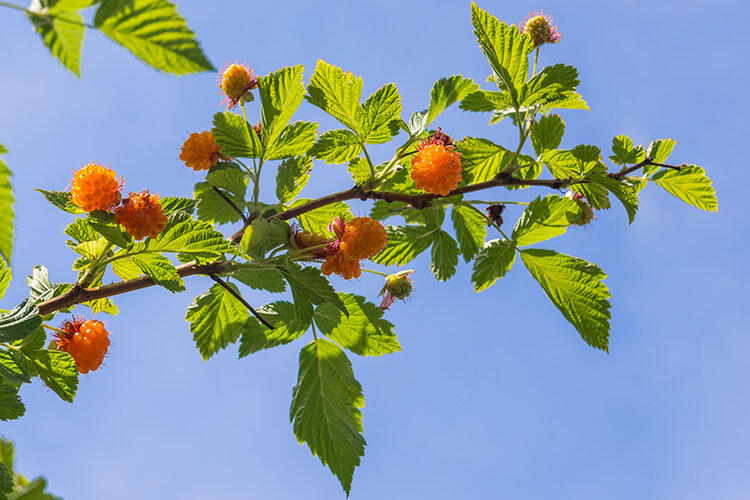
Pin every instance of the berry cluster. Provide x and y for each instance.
(436, 168)
(87, 341)
(360, 238)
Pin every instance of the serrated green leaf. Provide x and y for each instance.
(494, 260)
(217, 319)
(7, 214)
(318, 220)
(325, 409)
(263, 235)
(10, 370)
(659, 151)
(380, 112)
(182, 234)
(294, 140)
(291, 177)
(281, 93)
(5, 276)
(471, 230)
(62, 32)
(336, 92)
(363, 332)
(691, 185)
(544, 218)
(58, 371)
(159, 269)
(40, 287)
(624, 152)
(125, 268)
(228, 177)
(155, 33)
(80, 230)
(482, 159)
(444, 256)
(286, 328)
(550, 85)
(336, 146)
(404, 244)
(625, 193)
(212, 207)
(20, 322)
(6, 480)
(60, 199)
(11, 406)
(261, 278)
(170, 204)
(359, 170)
(547, 133)
(33, 491)
(309, 287)
(235, 137)
(447, 91)
(485, 100)
(575, 287)
(112, 232)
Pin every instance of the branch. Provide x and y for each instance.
(648, 161)
(239, 297)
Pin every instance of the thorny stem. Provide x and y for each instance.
(239, 297)
(45, 15)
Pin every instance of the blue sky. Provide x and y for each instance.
(494, 395)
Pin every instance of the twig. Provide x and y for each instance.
(241, 299)
(648, 161)
(231, 204)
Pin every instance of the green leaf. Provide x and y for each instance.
(182, 234)
(11, 371)
(291, 177)
(444, 256)
(318, 220)
(447, 91)
(544, 218)
(60, 199)
(336, 92)
(212, 207)
(112, 232)
(161, 270)
(625, 193)
(471, 230)
(482, 159)
(216, 319)
(575, 287)
(625, 152)
(281, 93)
(336, 147)
(325, 409)
(380, 114)
(62, 33)
(126, 268)
(494, 260)
(295, 140)
(80, 230)
(20, 322)
(485, 100)
(235, 137)
(155, 33)
(550, 85)
(261, 278)
(58, 371)
(170, 204)
(659, 151)
(309, 287)
(547, 133)
(5, 277)
(691, 185)
(286, 328)
(6, 210)
(11, 406)
(33, 491)
(506, 49)
(263, 235)
(363, 332)
(6, 480)
(229, 177)
(404, 244)
(40, 287)
(359, 170)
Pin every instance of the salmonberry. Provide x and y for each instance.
(200, 151)
(236, 82)
(141, 215)
(539, 26)
(397, 286)
(362, 238)
(495, 214)
(95, 187)
(86, 340)
(341, 264)
(586, 215)
(436, 168)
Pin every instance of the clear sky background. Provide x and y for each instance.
(494, 395)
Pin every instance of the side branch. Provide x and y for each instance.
(648, 161)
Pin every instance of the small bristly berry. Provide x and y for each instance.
(586, 214)
(95, 187)
(436, 168)
(87, 341)
(397, 286)
(141, 215)
(236, 81)
(541, 28)
(363, 237)
(200, 152)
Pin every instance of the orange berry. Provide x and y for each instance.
(86, 341)
(436, 168)
(141, 215)
(363, 237)
(235, 81)
(200, 151)
(95, 187)
(341, 264)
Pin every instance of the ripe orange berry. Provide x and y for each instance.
(141, 215)
(235, 81)
(363, 237)
(341, 264)
(86, 341)
(95, 187)
(200, 151)
(436, 168)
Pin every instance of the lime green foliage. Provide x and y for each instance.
(691, 185)
(61, 28)
(14, 486)
(494, 260)
(544, 218)
(6, 210)
(326, 409)
(216, 319)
